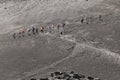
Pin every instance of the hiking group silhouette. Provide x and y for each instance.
(37, 30)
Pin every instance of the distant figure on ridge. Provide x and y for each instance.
(23, 33)
(14, 35)
(42, 29)
(33, 30)
(37, 30)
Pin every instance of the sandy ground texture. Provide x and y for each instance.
(16, 13)
(91, 46)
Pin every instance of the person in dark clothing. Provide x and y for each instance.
(87, 20)
(37, 31)
(63, 25)
(100, 17)
(14, 35)
(33, 30)
(82, 20)
(61, 33)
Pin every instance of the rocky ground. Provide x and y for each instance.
(90, 44)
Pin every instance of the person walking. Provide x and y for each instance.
(63, 25)
(37, 30)
(61, 33)
(42, 29)
(33, 30)
(100, 17)
(82, 20)
(14, 35)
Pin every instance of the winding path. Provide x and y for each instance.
(78, 48)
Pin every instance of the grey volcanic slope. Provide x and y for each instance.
(19, 57)
(15, 14)
(36, 56)
(88, 61)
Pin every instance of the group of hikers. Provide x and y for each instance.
(50, 28)
(89, 19)
(67, 76)
(22, 33)
(36, 30)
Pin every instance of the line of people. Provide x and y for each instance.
(91, 19)
(26, 31)
(36, 30)
(60, 28)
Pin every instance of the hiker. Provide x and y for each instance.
(100, 17)
(14, 35)
(37, 30)
(22, 32)
(63, 25)
(52, 26)
(42, 29)
(87, 20)
(61, 33)
(82, 20)
(33, 30)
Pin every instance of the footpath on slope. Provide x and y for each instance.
(78, 48)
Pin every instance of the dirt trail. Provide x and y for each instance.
(57, 62)
(111, 56)
(78, 48)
